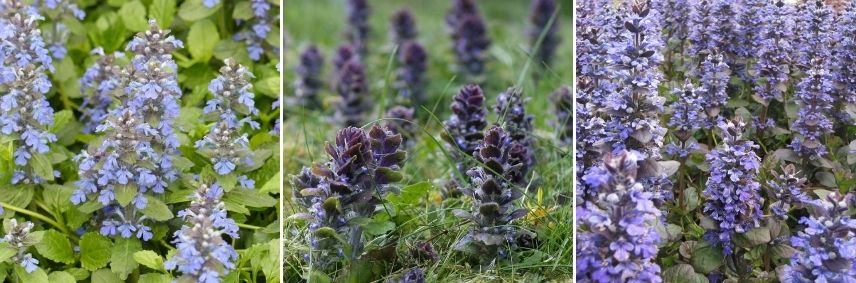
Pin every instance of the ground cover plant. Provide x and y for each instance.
(716, 141)
(137, 143)
(428, 141)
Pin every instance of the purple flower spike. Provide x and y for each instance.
(402, 123)
(18, 238)
(814, 96)
(413, 61)
(618, 241)
(825, 247)
(540, 12)
(352, 89)
(100, 81)
(402, 27)
(788, 189)
(732, 191)
(715, 75)
(773, 67)
(357, 31)
(688, 112)
(563, 101)
(470, 40)
(514, 120)
(309, 80)
(467, 121)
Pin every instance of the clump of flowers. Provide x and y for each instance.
(825, 247)
(357, 30)
(514, 120)
(139, 143)
(255, 36)
(232, 107)
(363, 168)
(688, 116)
(352, 88)
(563, 101)
(732, 191)
(540, 12)
(470, 40)
(496, 184)
(815, 32)
(713, 25)
(203, 255)
(814, 96)
(100, 82)
(413, 61)
(619, 239)
(787, 188)
(19, 239)
(57, 33)
(25, 114)
(715, 75)
(464, 128)
(774, 56)
(309, 77)
(402, 27)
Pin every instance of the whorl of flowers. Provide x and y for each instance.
(814, 96)
(815, 32)
(496, 184)
(57, 33)
(514, 120)
(787, 189)
(343, 54)
(18, 238)
(402, 27)
(363, 167)
(470, 40)
(563, 101)
(732, 191)
(712, 24)
(256, 34)
(675, 17)
(99, 82)
(540, 12)
(467, 121)
(688, 112)
(826, 248)
(401, 122)
(352, 88)
(309, 80)
(751, 21)
(139, 142)
(413, 61)
(24, 111)
(846, 55)
(357, 30)
(634, 108)
(774, 56)
(619, 239)
(715, 75)
(202, 253)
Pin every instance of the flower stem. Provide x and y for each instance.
(40, 217)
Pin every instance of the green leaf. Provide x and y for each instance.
(149, 259)
(122, 261)
(683, 273)
(157, 210)
(201, 39)
(268, 86)
(411, 194)
(133, 15)
(227, 48)
(61, 119)
(79, 274)
(37, 276)
(19, 196)
(55, 246)
(42, 166)
(193, 10)
(57, 196)
(272, 185)
(242, 11)
(163, 11)
(94, 252)
(6, 252)
(378, 227)
(158, 278)
(249, 198)
(61, 277)
(105, 276)
(125, 193)
(707, 258)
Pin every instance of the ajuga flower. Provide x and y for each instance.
(401, 122)
(402, 27)
(514, 120)
(774, 56)
(57, 33)
(496, 184)
(352, 88)
(363, 167)
(750, 22)
(99, 83)
(814, 96)
(787, 189)
(715, 75)
(25, 114)
(464, 127)
(675, 17)
(563, 101)
(732, 192)
(815, 32)
(826, 247)
(202, 253)
(309, 77)
(618, 241)
(255, 35)
(845, 58)
(357, 30)
(344, 53)
(413, 275)
(470, 40)
(18, 238)
(413, 60)
(688, 113)
(139, 143)
(540, 12)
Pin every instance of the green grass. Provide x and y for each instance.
(322, 22)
